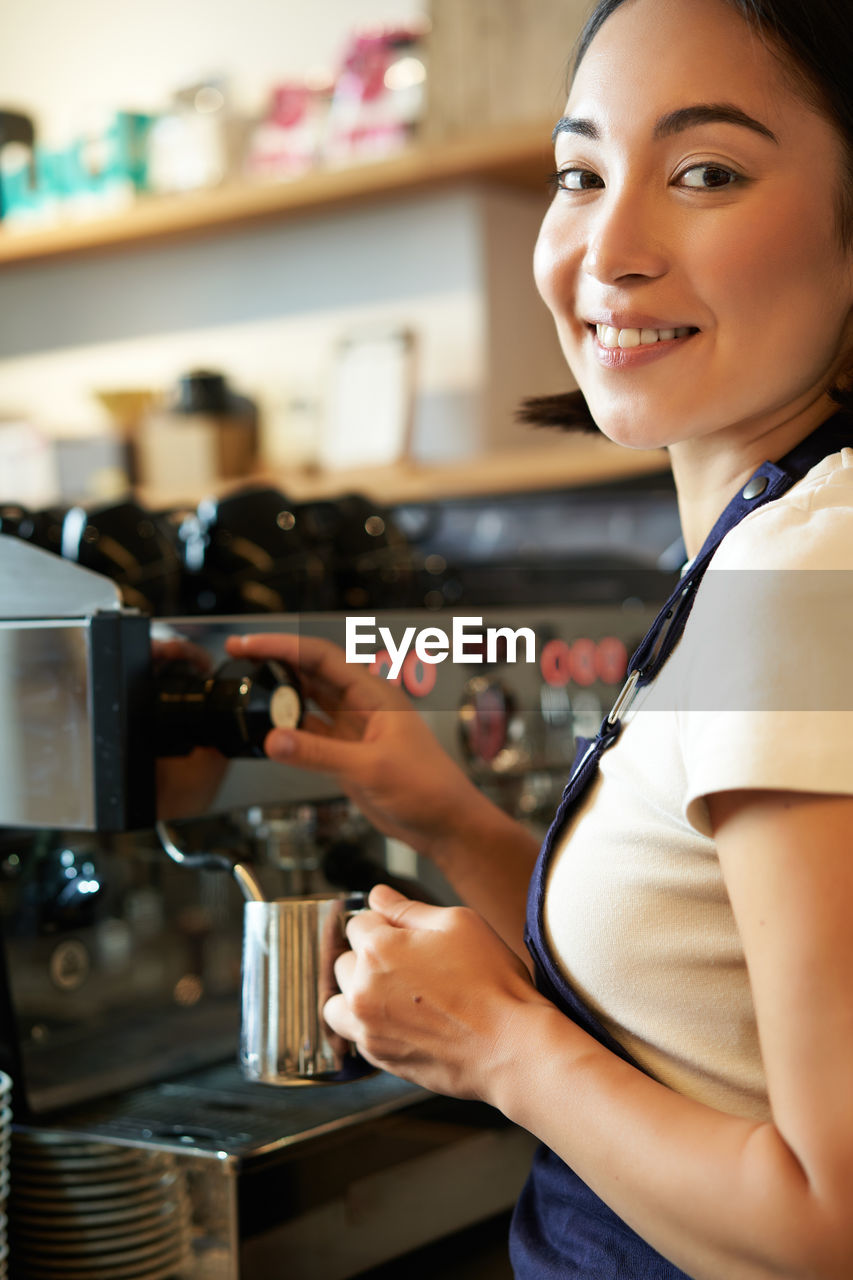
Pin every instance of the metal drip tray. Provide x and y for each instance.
(216, 1113)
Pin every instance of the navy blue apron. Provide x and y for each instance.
(560, 1228)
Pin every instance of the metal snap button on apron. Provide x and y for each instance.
(756, 487)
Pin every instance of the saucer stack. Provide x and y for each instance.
(5, 1146)
(86, 1210)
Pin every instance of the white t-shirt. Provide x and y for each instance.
(755, 695)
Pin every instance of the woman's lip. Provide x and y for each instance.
(632, 357)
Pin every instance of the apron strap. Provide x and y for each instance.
(768, 483)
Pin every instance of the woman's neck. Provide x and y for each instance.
(709, 472)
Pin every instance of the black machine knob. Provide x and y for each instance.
(232, 709)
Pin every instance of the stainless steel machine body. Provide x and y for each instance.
(74, 667)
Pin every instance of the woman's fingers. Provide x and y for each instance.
(332, 699)
(322, 753)
(402, 912)
(336, 1012)
(314, 724)
(316, 659)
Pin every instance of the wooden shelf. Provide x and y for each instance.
(517, 156)
(562, 462)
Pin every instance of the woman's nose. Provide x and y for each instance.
(626, 238)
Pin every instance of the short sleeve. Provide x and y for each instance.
(762, 680)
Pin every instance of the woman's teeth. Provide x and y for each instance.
(610, 337)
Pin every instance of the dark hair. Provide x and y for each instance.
(814, 42)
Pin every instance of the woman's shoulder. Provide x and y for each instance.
(809, 527)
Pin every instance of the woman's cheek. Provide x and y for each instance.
(551, 266)
(555, 273)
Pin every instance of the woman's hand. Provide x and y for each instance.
(431, 994)
(368, 736)
(365, 733)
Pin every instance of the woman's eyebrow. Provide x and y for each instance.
(674, 122)
(709, 113)
(574, 124)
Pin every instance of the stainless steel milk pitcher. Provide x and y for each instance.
(289, 952)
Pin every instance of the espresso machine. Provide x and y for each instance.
(140, 1150)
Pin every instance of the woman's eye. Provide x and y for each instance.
(577, 180)
(705, 177)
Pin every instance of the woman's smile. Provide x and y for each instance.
(630, 346)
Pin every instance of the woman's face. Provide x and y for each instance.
(691, 255)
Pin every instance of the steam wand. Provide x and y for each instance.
(244, 875)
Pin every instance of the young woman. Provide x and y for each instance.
(685, 1052)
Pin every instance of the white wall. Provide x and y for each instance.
(269, 306)
(62, 59)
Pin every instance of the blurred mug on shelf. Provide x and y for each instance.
(204, 433)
